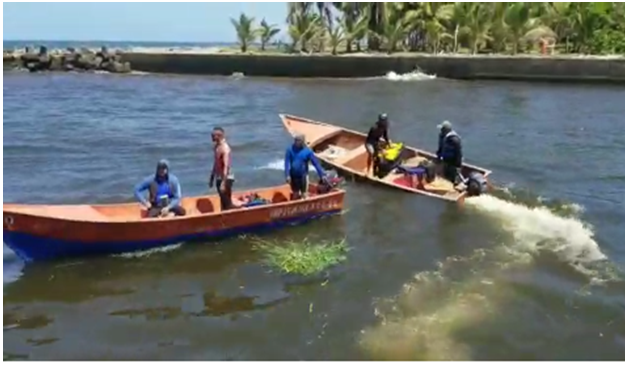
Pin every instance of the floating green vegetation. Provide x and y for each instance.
(303, 258)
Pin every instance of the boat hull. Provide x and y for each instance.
(38, 238)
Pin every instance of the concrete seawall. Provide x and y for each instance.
(548, 68)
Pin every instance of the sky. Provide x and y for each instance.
(159, 22)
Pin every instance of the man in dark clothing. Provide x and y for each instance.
(449, 152)
(376, 133)
(165, 193)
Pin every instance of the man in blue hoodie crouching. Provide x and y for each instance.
(165, 192)
(296, 160)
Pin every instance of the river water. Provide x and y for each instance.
(534, 271)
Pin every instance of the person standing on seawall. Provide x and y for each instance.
(449, 152)
(222, 175)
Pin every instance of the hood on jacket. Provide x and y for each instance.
(162, 163)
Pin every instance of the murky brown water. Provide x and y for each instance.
(423, 280)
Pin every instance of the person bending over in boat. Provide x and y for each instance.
(296, 160)
(164, 192)
(449, 152)
(222, 168)
(376, 133)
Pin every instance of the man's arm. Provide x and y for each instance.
(225, 158)
(139, 188)
(439, 151)
(287, 163)
(177, 192)
(212, 176)
(456, 141)
(385, 136)
(316, 164)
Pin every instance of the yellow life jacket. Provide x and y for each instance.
(391, 153)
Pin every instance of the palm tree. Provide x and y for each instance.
(354, 23)
(596, 27)
(477, 25)
(394, 27)
(587, 17)
(336, 36)
(426, 19)
(305, 27)
(246, 33)
(456, 19)
(267, 32)
(499, 27)
(376, 23)
(519, 20)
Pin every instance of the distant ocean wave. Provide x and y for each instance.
(122, 45)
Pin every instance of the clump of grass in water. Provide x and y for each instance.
(303, 258)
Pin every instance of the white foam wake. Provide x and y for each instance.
(149, 252)
(411, 76)
(539, 228)
(425, 320)
(272, 165)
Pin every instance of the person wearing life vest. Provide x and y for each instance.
(449, 151)
(372, 143)
(296, 160)
(164, 193)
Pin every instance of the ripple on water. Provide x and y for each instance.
(527, 279)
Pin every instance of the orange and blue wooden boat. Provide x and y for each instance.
(344, 150)
(44, 232)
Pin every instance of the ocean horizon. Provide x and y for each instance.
(18, 44)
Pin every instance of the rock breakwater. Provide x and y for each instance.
(70, 59)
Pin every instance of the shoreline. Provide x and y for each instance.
(228, 61)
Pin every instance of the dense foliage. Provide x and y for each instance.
(596, 28)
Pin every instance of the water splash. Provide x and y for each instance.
(277, 164)
(148, 252)
(12, 266)
(536, 228)
(410, 76)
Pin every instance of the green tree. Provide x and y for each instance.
(267, 32)
(304, 28)
(336, 36)
(477, 25)
(246, 34)
(519, 20)
(427, 26)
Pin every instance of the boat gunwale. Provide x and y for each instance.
(113, 220)
(459, 199)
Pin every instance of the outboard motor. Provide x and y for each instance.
(476, 184)
(333, 182)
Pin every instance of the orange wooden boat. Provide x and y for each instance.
(344, 150)
(42, 232)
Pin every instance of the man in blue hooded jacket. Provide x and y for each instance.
(296, 160)
(164, 192)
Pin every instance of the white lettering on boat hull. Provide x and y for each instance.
(303, 209)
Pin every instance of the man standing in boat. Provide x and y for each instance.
(165, 193)
(449, 152)
(296, 160)
(221, 174)
(372, 144)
